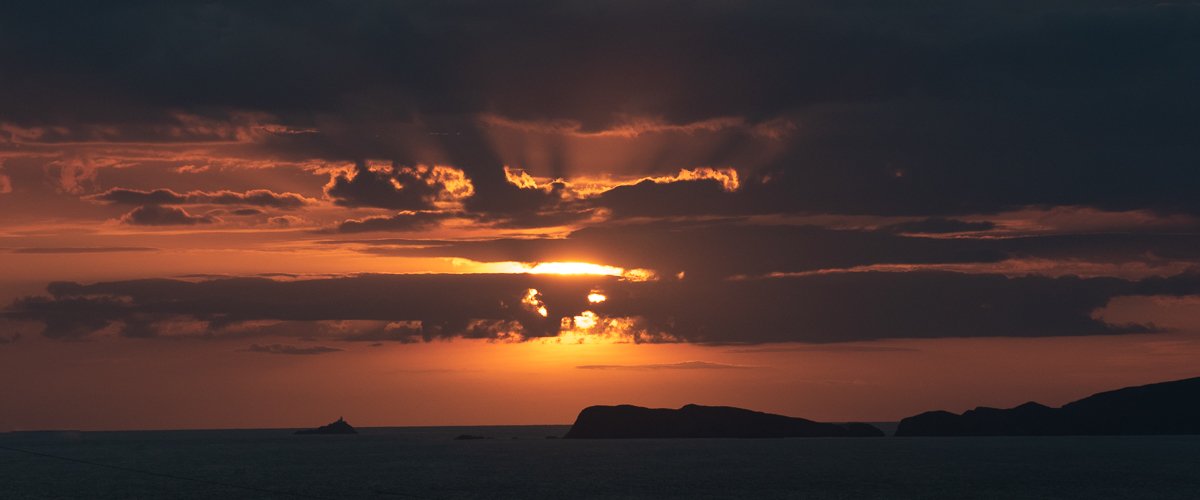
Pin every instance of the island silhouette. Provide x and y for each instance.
(696, 421)
(1162, 408)
(338, 427)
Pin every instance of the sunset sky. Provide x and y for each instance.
(435, 213)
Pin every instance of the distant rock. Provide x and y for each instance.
(1164, 408)
(469, 437)
(338, 427)
(695, 421)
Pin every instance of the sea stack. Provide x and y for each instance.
(696, 421)
(338, 427)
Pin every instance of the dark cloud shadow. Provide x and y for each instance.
(291, 349)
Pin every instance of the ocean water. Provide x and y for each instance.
(520, 462)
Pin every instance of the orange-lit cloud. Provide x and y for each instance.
(371, 184)
(235, 127)
(589, 327)
(533, 301)
(632, 127)
(255, 197)
(586, 187)
(520, 178)
(155, 215)
(1017, 267)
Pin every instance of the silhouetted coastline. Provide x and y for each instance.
(695, 421)
(1162, 408)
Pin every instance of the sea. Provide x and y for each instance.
(530, 462)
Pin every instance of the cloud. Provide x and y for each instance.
(398, 187)
(76, 174)
(683, 365)
(875, 110)
(70, 250)
(254, 197)
(191, 169)
(823, 348)
(823, 308)
(285, 221)
(738, 247)
(292, 349)
(938, 225)
(673, 197)
(156, 215)
(704, 248)
(635, 126)
(247, 212)
(402, 221)
(445, 305)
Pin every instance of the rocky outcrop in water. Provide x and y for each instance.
(695, 421)
(1163, 408)
(338, 427)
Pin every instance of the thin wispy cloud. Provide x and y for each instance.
(54, 250)
(823, 348)
(683, 365)
(291, 349)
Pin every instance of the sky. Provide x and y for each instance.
(253, 214)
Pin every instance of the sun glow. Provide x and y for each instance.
(533, 301)
(591, 328)
(586, 320)
(574, 268)
(563, 268)
(596, 297)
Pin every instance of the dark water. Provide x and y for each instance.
(521, 463)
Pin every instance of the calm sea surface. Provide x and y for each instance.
(520, 462)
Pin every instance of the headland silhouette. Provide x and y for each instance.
(695, 421)
(1162, 408)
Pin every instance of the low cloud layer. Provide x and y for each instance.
(400, 222)
(734, 247)
(683, 365)
(70, 250)
(256, 197)
(157, 215)
(823, 308)
(292, 349)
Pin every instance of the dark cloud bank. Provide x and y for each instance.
(936, 110)
(817, 308)
(256, 197)
(723, 249)
(939, 108)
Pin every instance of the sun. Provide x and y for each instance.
(565, 268)
(574, 268)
